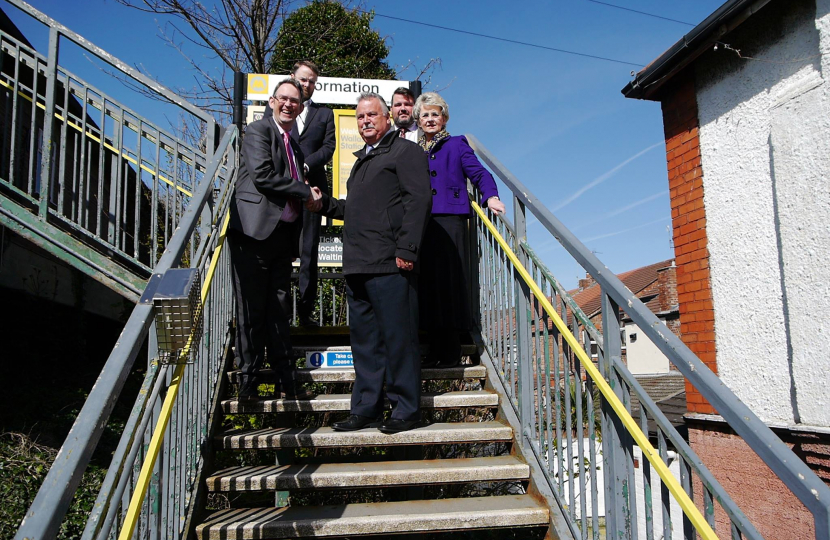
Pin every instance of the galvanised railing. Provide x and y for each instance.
(171, 420)
(572, 417)
(85, 177)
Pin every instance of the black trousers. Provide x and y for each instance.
(383, 318)
(262, 285)
(309, 242)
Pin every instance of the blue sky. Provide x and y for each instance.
(558, 122)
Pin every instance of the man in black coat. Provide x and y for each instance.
(387, 207)
(265, 222)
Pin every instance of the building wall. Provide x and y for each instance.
(756, 490)
(765, 150)
(642, 354)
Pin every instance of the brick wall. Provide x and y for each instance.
(763, 497)
(694, 292)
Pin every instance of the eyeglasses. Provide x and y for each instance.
(282, 100)
(430, 114)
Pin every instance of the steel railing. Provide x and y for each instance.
(88, 171)
(539, 343)
(165, 513)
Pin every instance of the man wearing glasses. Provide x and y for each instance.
(266, 218)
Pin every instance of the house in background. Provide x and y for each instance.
(656, 286)
(746, 113)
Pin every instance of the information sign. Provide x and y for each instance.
(328, 359)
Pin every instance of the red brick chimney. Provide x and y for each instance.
(667, 287)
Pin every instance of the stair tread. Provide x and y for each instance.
(342, 402)
(346, 375)
(375, 518)
(371, 474)
(322, 437)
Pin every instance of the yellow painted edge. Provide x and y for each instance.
(98, 140)
(689, 508)
(335, 177)
(137, 499)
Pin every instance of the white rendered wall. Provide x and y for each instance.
(642, 355)
(765, 146)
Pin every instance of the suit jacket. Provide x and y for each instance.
(386, 209)
(451, 163)
(318, 141)
(264, 181)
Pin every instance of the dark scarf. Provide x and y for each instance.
(428, 145)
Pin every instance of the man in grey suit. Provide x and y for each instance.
(266, 217)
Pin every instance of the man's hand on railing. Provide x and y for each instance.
(314, 203)
(496, 206)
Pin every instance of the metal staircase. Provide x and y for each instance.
(535, 415)
(459, 446)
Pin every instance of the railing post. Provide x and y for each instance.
(523, 352)
(617, 446)
(48, 123)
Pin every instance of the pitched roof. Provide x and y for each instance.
(590, 301)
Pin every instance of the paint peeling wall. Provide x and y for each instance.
(765, 145)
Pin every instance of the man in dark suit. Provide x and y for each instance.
(385, 215)
(314, 129)
(265, 222)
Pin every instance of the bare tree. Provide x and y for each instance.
(242, 34)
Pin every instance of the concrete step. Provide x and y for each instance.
(346, 375)
(373, 474)
(342, 402)
(326, 437)
(372, 519)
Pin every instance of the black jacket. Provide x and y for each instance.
(387, 207)
(317, 141)
(264, 181)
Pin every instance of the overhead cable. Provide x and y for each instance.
(641, 12)
(526, 44)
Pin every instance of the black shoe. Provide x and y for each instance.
(395, 425)
(429, 361)
(355, 422)
(248, 389)
(308, 320)
(448, 363)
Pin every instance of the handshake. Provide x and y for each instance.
(314, 203)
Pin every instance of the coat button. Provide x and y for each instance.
(433, 173)
(432, 156)
(435, 191)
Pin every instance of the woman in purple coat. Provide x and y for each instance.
(444, 302)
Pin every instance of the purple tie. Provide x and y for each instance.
(292, 208)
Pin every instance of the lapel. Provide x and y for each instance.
(281, 163)
(312, 110)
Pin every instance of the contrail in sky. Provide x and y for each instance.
(615, 233)
(603, 177)
(621, 210)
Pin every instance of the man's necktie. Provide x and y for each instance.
(292, 208)
(402, 133)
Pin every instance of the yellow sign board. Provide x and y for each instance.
(348, 142)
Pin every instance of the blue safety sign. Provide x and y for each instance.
(329, 359)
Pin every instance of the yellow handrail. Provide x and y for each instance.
(689, 508)
(133, 510)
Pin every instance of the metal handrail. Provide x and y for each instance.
(795, 474)
(735, 514)
(103, 200)
(689, 508)
(44, 516)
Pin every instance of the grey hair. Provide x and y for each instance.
(371, 95)
(431, 99)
